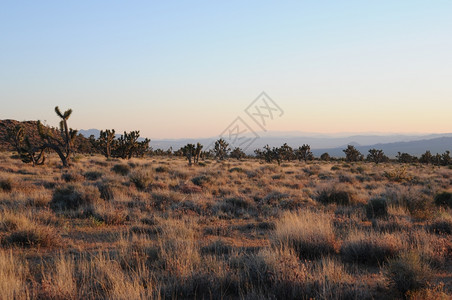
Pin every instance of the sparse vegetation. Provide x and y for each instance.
(153, 228)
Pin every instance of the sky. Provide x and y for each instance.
(187, 69)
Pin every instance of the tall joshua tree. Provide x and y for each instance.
(105, 142)
(197, 152)
(62, 144)
(221, 149)
(189, 151)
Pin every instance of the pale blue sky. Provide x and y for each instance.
(188, 68)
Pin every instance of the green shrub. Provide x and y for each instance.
(377, 208)
(72, 197)
(121, 169)
(141, 179)
(444, 199)
(408, 273)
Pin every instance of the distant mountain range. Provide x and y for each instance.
(333, 144)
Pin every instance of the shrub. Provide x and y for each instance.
(121, 169)
(71, 177)
(201, 180)
(141, 179)
(236, 169)
(93, 175)
(37, 236)
(444, 199)
(310, 234)
(441, 226)
(6, 184)
(236, 206)
(371, 249)
(106, 190)
(72, 197)
(161, 169)
(407, 272)
(335, 195)
(377, 208)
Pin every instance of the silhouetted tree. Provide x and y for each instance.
(62, 144)
(352, 154)
(304, 153)
(221, 149)
(237, 153)
(377, 156)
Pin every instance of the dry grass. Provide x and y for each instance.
(154, 228)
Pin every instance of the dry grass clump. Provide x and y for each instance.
(408, 272)
(13, 276)
(309, 233)
(18, 230)
(74, 196)
(178, 248)
(371, 248)
(335, 194)
(141, 178)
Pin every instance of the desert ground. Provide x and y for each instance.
(155, 228)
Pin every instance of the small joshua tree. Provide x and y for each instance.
(304, 153)
(197, 152)
(221, 149)
(325, 157)
(377, 156)
(237, 153)
(352, 154)
(21, 143)
(61, 143)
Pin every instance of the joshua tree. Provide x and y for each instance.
(406, 158)
(426, 158)
(325, 156)
(304, 153)
(197, 152)
(62, 144)
(189, 151)
(27, 153)
(237, 153)
(105, 142)
(221, 149)
(352, 154)
(445, 158)
(377, 156)
(286, 152)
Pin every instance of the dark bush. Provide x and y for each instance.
(377, 208)
(408, 273)
(93, 175)
(71, 177)
(141, 179)
(161, 169)
(371, 250)
(201, 180)
(444, 199)
(334, 195)
(6, 185)
(441, 226)
(106, 190)
(71, 197)
(33, 237)
(121, 169)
